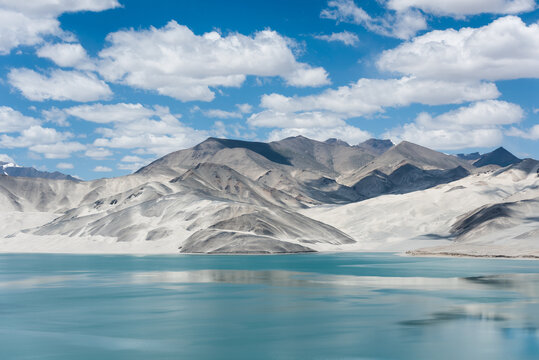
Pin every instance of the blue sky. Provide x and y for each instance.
(101, 87)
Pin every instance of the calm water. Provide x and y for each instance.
(330, 306)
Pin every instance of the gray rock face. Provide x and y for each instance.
(470, 156)
(376, 146)
(406, 178)
(500, 157)
(218, 242)
(496, 218)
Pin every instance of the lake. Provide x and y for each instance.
(310, 306)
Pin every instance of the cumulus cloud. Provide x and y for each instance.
(59, 85)
(132, 159)
(314, 119)
(132, 163)
(345, 37)
(401, 24)
(13, 121)
(6, 158)
(460, 8)
(102, 169)
(316, 125)
(47, 141)
(64, 166)
(530, 134)
(56, 116)
(348, 133)
(477, 125)
(98, 153)
(178, 63)
(131, 166)
(244, 108)
(34, 135)
(368, 96)
(113, 113)
(222, 114)
(67, 55)
(507, 48)
(27, 22)
(134, 126)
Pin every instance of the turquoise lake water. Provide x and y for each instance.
(313, 306)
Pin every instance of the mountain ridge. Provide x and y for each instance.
(12, 169)
(234, 196)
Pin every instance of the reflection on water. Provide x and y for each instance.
(457, 314)
(307, 306)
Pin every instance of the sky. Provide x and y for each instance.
(99, 88)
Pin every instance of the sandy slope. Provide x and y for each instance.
(401, 222)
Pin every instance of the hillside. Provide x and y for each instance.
(293, 195)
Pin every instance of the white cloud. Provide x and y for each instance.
(102, 169)
(46, 141)
(19, 29)
(530, 134)
(459, 8)
(132, 163)
(490, 112)
(63, 165)
(98, 153)
(27, 22)
(315, 125)
(67, 55)
(6, 158)
(56, 7)
(59, 85)
(446, 139)
(505, 49)
(114, 113)
(59, 150)
(131, 166)
(34, 135)
(176, 62)
(135, 126)
(368, 96)
(402, 24)
(222, 114)
(132, 159)
(13, 121)
(55, 115)
(350, 134)
(345, 37)
(315, 119)
(234, 130)
(244, 108)
(477, 125)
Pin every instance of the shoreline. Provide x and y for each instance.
(473, 256)
(410, 253)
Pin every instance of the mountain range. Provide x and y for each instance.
(12, 169)
(226, 196)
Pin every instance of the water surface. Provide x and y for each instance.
(311, 306)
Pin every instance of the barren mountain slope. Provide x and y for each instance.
(404, 221)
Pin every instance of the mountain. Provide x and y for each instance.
(470, 156)
(303, 168)
(295, 195)
(404, 168)
(500, 157)
(485, 214)
(376, 146)
(12, 169)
